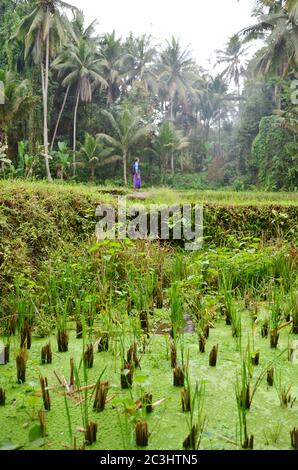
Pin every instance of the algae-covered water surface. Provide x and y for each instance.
(138, 351)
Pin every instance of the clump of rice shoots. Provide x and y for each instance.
(2, 397)
(213, 356)
(101, 392)
(127, 376)
(45, 393)
(142, 433)
(91, 433)
(21, 360)
(178, 377)
(197, 420)
(46, 354)
(26, 332)
(89, 356)
(294, 438)
(103, 343)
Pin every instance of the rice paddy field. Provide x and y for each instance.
(122, 344)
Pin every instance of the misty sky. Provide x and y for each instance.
(204, 25)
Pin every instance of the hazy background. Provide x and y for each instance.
(205, 26)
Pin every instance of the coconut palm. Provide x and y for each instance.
(79, 33)
(142, 57)
(114, 64)
(175, 67)
(17, 97)
(96, 153)
(41, 30)
(277, 25)
(233, 57)
(167, 143)
(81, 68)
(128, 128)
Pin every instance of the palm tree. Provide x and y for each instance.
(129, 129)
(97, 153)
(80, 67)
(17, 97)
(42, 29)
(277, 26)
(62, 159)
(175, 67)
(142, 57)
(167, 143)
(79, 33)
(114, 66)
(232, 56)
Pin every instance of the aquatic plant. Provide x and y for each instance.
(283, 391)
(197, 419)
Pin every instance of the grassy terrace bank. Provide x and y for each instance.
(36, 218)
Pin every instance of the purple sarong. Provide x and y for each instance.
(137, 181)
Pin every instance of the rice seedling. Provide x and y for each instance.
(2, 397)
(45, 393)
(294, 310)
(197, 419)
(202, 343)
(6, 353)
(283, 391)
(132, 356)
(274, 433)
(173, 355)
(46, 354)
(26, 333)
(147, 402)
(176, 310)
(294, 438)
(21, 360)
(142, 433)
(178, 377)
(101, 392)
(89, 356)
(91, 433)
(270, 377)
(42, 423)
(213, 356)
(186, 393)
(103, 342)
(265, 328)
(255, 358)
(127, 375)
(275, 318)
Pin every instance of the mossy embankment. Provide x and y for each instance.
(37, 218)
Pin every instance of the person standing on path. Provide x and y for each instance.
(137, 181)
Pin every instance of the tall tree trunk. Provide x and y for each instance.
(45, 89)
(125, 167)
(75, 133)
(172, 121)
(59, 117)
(219, 132)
